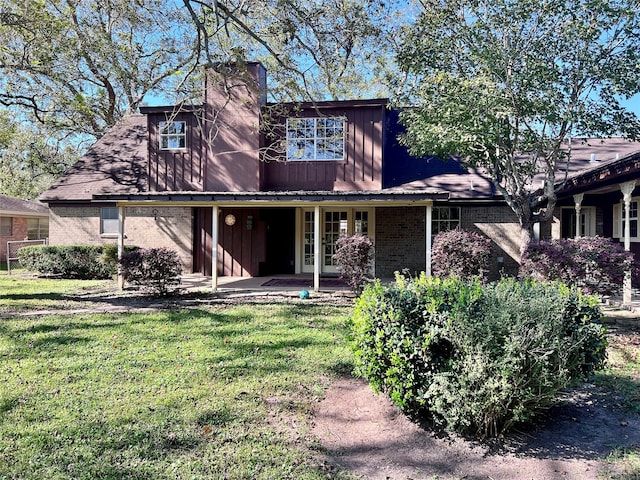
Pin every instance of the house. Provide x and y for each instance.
(21, 220)
(241, 187)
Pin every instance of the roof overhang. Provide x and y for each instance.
(272, 199)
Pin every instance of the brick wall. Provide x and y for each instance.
(172, 228)
(499, 223)
(399, 240)
(19, 231)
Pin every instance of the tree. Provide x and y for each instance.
(30, 158)
(506, 84)
(313, 49)
(78, 66)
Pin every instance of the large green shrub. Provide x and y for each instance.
(475, 359)
(68, 261)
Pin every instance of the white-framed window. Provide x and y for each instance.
(173, 135)
(444, 219)
(37, 228)
(618, 220)
(109, 221)
(314, 138)
(587, 222)
(6, 226)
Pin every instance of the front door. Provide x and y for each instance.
(334, 224)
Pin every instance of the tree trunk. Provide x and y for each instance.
(526, 236)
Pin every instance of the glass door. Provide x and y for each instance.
(346, 221)
(336, 224)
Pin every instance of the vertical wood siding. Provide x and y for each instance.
(360, 170)
(179, 169)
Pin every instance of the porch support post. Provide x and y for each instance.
(577, 198)
(316, 249)
(428, 231)
(120, 246)
(627, 190)
(214, 248)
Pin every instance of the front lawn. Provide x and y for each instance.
(214, 392)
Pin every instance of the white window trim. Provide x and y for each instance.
(162, 135)
(590, 217)
(436, 221)
(316, 139)
(618, 220)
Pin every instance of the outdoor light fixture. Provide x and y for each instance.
(249, 222)
(155, 214)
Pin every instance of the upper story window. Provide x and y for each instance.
(173, 135)
(444, 219)
(315, 138)
(6, 226)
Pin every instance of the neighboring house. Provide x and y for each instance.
(273, 196)
(21, 220)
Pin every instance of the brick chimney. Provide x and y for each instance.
(233, 95)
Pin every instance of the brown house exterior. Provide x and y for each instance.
(21, 220)
(259, 189)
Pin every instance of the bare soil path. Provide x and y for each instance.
(365, 434)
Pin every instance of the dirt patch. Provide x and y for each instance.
(365, 434)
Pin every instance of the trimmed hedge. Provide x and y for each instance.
(69, 261)
(474, 359)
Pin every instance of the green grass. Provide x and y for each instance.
(214, 392)
(622, 378)
(23, 292)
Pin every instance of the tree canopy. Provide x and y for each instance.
(503, 85)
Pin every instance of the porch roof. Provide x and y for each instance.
(274, 198)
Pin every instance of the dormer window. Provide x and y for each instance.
(315, 138)
(173, 135)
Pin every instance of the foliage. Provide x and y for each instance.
(209, 392)
(475, 359)
(155, 269)
(353, 257)
(460, 253)
(67, 261)
(80, 65)
(595, 264)
(504, 84)
(30, 160)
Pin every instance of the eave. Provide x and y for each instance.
(272, 199)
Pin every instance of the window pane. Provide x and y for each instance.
(6, 226)
(109, 220)
(315, 138)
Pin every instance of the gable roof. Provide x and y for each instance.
(23, 208)
(116, 163)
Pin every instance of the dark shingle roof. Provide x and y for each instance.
(10, 205)
(117, 163)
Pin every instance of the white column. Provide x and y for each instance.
(577, 199)
(428, 231)
(627, 190)
(214, 248)
(316, 249)
(120, 245)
